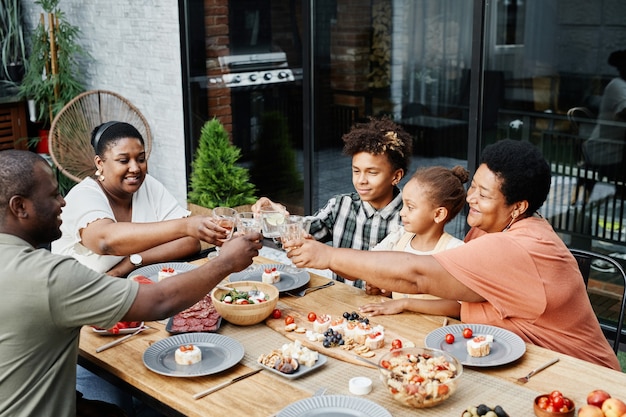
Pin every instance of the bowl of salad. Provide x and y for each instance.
(420, 377)
(245, 303)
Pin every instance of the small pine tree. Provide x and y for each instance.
(215, 179)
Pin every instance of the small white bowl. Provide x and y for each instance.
(360, 385)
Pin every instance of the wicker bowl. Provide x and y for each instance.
(245, 314)
(400, 383)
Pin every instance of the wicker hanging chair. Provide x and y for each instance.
(70, 132)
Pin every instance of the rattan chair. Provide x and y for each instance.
(588, 260)
(70, 132)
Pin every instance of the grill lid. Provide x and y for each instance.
(253, 62)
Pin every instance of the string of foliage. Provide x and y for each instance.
(215, 179)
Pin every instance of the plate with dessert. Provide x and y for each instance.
(193, 354)
(481, 346)
(284, 277)
(159, 272)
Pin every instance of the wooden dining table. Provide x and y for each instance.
(266, 393)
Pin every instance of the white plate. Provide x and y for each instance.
(127, 330)
(334, 406)
(218, 354)
(291, 278)
(302, 369)
(506, 347)
(152, 271)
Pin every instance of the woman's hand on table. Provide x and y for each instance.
(383, 308)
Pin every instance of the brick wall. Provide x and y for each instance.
(135, 50)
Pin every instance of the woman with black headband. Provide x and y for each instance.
(122, 217)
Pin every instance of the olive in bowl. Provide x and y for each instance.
(420, 377)
(553, 404)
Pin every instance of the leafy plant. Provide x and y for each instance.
(53, 71)
(215, 179)
(12, 45)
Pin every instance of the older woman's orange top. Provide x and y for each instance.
(533, 288)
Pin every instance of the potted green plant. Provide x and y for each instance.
(12, 46)
(216, 180)
(53, 72)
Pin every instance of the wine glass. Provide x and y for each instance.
(227, 218)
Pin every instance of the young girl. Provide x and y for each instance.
(381, 153)
(431, 199)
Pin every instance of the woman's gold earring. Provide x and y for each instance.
(99, 175)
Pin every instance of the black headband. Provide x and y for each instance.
(103, 128)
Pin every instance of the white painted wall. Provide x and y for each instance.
(135, 50)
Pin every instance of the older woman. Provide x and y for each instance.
(513, 272)
(123, 211)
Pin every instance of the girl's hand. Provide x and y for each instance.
(386, 307)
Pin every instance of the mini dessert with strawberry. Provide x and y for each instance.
(188, 355)
(321, 323)
(479, 346)
(375, 339)
(270, 276)
(166, 272)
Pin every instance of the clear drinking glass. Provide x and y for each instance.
(248, 222)
(227, 218)
(294, 227)
(272, 220)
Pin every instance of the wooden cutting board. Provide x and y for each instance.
(336, 352)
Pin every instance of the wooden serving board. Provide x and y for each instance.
(336, 352)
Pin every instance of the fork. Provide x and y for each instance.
(303, 292)
(525, 379)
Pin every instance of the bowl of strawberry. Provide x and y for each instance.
(554, 404)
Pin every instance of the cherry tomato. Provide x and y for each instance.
(449, 338)
(467, 333)
(396, 344)
(555, 393)
(557, 402)
(276, 313)
(312, 316)
(289, 320)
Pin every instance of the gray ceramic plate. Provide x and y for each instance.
(334, 406)
(302, 369)
(291, 278)
(152, 271)
(506, 347)
(218, 354)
